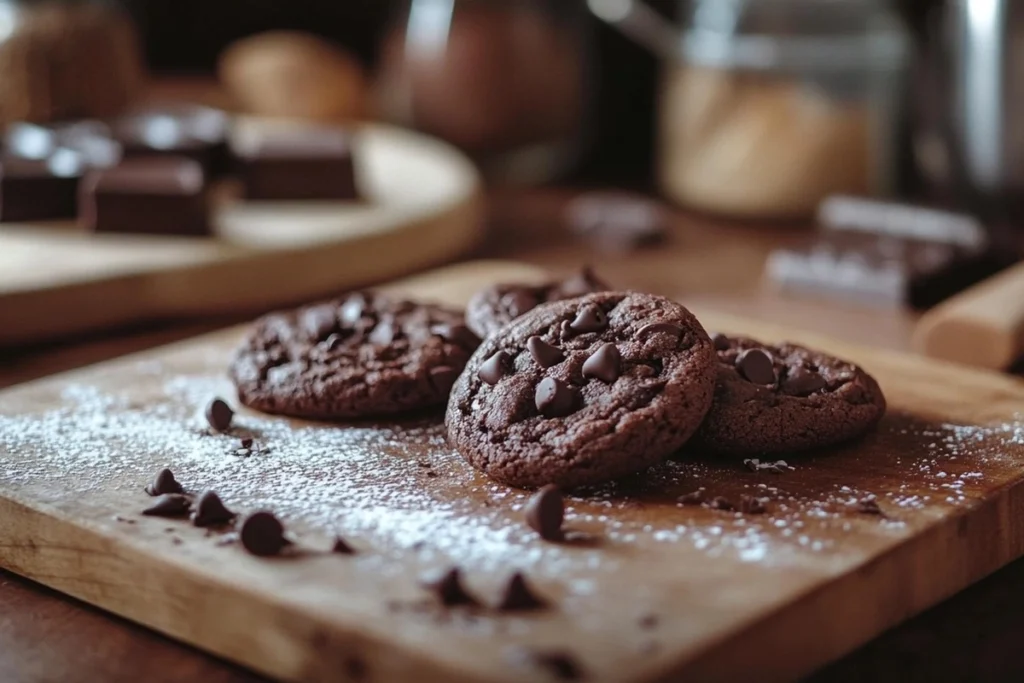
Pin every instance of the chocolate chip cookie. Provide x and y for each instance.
(775, 399)
(361, 355)
(492, 308)
(583, 391)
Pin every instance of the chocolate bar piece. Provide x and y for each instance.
(297, 164)
(163, 195)
(881, 254)
(32, 189)
(199, 133)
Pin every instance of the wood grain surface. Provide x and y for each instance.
(424, 207)
(727, 589)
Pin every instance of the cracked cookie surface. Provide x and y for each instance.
(781, 398)
(583, 391)
(357, 356)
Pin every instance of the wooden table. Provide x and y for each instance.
(46, 637)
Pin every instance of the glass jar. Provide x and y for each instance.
(504, 80)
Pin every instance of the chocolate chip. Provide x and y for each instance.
(246, 442)
(659, 328)
(342, 547)
(545, 512)
(495, 367)
(211, 511)
(386, 331)
(352, 310)
(802, 382)
(720, 341)
(756, 366)
(554, 398)
(164, 482)
(604, 364)
(544, 354)
(458, 334)
(752, 464)
(868, 506)
(692, 498)
(442, 378)
(562, 665)
(319, 321)
(168, 505)
(752, 505)
(589, 319)
(262, 534)
(518, 596)
(721, 503)
(449, 589)
(518, 301)
(219, 415)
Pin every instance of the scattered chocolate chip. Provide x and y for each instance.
(442, 378)
(457, 334)
(692, 498)
(868, 506)
(648, 621)
(589, 319)
(720, 341)
(210, 511)
(518, 596)
(545, 512)
(756, 366)
(341, 547)
(495, 367)
(449, 589)
(544, 354)
(262, 534)
(604, 364)
(561, 665)
(246, 442)
(168, 505)
(752, 505)
(219, 415)
(659, 328)
(802, 382)
(554, 398)
(164, 482)
(721, 503)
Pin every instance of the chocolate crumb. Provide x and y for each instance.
(868, 506)
(752, 505)
(545, 512)
(341, 547)
(721, 503)
(164, 482)
(219, 415)
(262, 534)
(168, 505)
(449, 589)
(692, 498)
(431, 473)
(210, 511)
(518, 596)
(246, 442)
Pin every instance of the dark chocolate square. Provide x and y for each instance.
(32, 190)
(297, 164)
(163, 195)
(196, 132)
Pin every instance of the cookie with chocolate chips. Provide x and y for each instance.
(583, 391)
(361, 355)
(496, 306)
(773, 399)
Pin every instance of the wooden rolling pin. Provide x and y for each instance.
(982, 326)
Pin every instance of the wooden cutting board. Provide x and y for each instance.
(663, 591)
(424, 208)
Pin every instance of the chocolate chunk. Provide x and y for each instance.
(153, 195)
(296, 164)
(545, 512)
(659, 328)
(168, 505)
(554, 398)
(543, 353)
(245, 442)
(604, 364)
(802, 382)
(518, 596)
(590, 319)
(460, 335)
(495, 367)
(442, 378)
(211, 511)
(219, 415)
(341, 547)
(868, 506)
(720, 341)
(318, 322)
(518, 300)
(561, 665)
(692, 498)
(449, 589)
(262, 534)
(617, 221)
(756, 366)
(164, 482)
(33, 190)
(721, 503)
(752, 505)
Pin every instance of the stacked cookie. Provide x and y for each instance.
(571, 385)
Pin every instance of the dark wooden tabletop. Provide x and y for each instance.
(971, 637)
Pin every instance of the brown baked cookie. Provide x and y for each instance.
(583, 391)
(778, 399)
(492, 308)
(361, 355)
